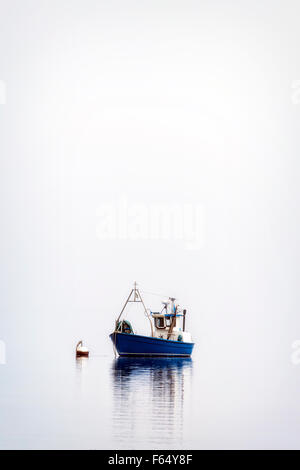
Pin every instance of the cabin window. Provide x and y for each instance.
(160, 322)
(169, 321)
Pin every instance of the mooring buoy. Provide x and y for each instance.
(81, 350)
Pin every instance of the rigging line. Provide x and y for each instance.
(154, 293)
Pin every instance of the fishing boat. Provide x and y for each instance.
(168, 335)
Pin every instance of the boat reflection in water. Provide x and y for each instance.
(148, 401)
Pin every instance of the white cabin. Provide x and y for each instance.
(170, 323)
(162, 324)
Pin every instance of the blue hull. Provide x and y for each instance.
(137, 345)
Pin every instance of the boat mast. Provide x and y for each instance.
(135, 294)
(118, 319)
(184, 314)
(173, 322)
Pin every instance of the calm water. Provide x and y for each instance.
(149, 400)
(96, 402)
(101, 402)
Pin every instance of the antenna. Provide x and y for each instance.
(135, 293)
(172, 303)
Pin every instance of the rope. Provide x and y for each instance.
(154, 293)
(114, 346)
